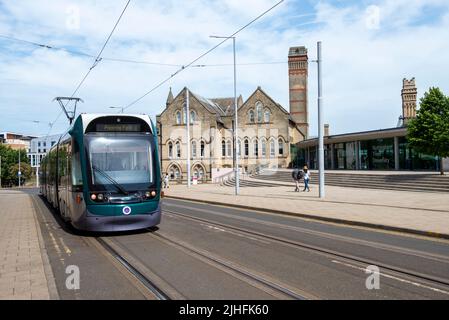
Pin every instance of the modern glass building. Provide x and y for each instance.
(385, 149)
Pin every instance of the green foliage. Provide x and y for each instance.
(429, 131)
(10, 158)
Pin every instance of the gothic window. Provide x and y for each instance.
(223, 148)
(272, 148)
(229, 148)
(259, 111)
(178, 117)
(174, 173)
(256, 148)
(202, 147)
(178, 150)
(192, 117)
(251, 116)
(170, 150)
(193, 149)
(267, 115)
(264, 148)
(246, 148)
(281, 147)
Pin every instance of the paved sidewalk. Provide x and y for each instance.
(417, 212)
(22, 271)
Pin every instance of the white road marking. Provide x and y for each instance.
(416, 284)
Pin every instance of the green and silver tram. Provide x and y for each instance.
(104, 173)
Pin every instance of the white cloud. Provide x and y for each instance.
(363, 67)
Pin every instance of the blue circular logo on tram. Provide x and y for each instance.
(126, 210)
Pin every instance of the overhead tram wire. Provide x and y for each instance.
(94, 64)
(201, 56)
(133, 61)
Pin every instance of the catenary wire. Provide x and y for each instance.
(201, 56)
(94, 64)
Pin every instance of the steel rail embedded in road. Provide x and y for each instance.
(147, 283)
(329, 252)
(271, 284)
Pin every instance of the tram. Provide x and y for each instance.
(104, 173)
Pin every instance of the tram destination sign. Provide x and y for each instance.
(118, 127)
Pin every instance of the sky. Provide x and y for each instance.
(368, 48)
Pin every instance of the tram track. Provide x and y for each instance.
(262, 281)
(327, 252)
(144, 280)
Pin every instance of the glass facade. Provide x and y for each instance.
(374, 154)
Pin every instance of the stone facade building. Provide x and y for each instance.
(266, 130)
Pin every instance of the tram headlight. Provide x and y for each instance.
(153, 193)
(100, 197)
(93, 196)
(147, 194)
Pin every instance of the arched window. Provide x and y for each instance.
(202, 151)
(178, 117)
(251, 116)
(272, 148)
(267, 116)
(192, 117)
(256, 148)
(259, 111)
(229, 148)
(198, 172)
(223, 148)
(281, 147)
(246, 148)
(170, 150)
(185, 117)
(174, 172)
(264, 148)
(193, 149)
(178, 150)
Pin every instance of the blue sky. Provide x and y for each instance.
(368, 48)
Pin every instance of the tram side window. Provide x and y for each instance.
(77, 176)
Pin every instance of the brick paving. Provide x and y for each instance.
(22, 273)
(425, 212)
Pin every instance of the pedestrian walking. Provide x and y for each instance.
(306, 180)
(297, 176)
(295, 173)
(166, 181)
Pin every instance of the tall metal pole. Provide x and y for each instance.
(37, 176)
(19, 173)
(188, 136)
(0, 171)
(320, 125)
(236, 149)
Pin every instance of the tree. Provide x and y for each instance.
(429, 131)
(10, 158)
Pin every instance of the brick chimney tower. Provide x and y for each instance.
(408, 93)
(298, 75)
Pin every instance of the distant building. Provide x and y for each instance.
(16, 141)
(385, 149)
(39, 148)
(266, 131)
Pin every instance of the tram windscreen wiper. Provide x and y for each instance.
(115, 183)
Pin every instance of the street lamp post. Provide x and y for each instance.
(320, 125)
(236, 155)
(19, 173)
